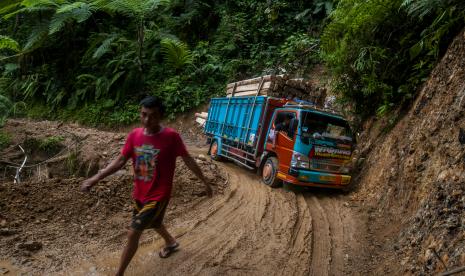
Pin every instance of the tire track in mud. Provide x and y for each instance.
(321, 239)
(254, 230)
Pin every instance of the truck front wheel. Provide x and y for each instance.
(270, 172)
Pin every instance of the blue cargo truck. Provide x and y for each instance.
(284, 140)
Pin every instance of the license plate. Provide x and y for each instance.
(327, 178)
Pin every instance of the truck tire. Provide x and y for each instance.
(214, 151)
(270, 172)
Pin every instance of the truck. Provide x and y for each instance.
(282, 139)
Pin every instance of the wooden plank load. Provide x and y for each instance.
(278, 86)
(201, 118)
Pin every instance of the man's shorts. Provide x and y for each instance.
(148, 215)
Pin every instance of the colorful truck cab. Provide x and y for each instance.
(283, 140)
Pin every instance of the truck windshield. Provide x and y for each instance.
(319, 126)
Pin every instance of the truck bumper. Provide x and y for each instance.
(316, 179)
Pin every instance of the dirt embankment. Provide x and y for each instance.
(46, 224)
(413, 179)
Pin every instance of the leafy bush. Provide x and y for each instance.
(50, 144)
(90, 60)
(5, 106)
(299, 52)
(5, 139)
(381, 51)
(104, 114)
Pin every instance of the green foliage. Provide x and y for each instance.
(179, 97)
(48, 145)
(5, 107)
(72, 163)
(8, 5)
(78, 11)
(131, 8)
(5, 139)
(381, 51)
(103, 113)
(175, 53)
(298, 52)
(92, 60)
(8, 43)
(51, 144)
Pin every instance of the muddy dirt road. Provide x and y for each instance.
(247, 228)
(255, 230)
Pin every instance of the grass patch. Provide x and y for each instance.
(51, 144)
(5, 140)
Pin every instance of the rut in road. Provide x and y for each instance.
(256, 230)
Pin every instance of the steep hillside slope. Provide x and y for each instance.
(413, 178)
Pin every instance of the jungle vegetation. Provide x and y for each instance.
(92, 60)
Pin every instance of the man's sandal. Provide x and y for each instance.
(166, 251)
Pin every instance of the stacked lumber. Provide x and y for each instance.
(201, 118)
(278, 86)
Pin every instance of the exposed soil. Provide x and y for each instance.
(255, 230)
(46, 224)
(412, 179)
(49, 227)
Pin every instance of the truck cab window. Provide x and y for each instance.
(286, 123)
(324, 127)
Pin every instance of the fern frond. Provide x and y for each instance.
(422, 8)
(7, 3)
(42, 3)
(10, 68)
(5, 101)
(152, 35)
(176, 53)
(78, 11)
(104, 47)
(33, 6)
(58, 21)
(38, 34)
(7, 6)
(130, 8)
(86, 77)
(9, 43)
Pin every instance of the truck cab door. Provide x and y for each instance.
(281, 138)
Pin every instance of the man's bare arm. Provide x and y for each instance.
(192, 165)
(113, 167)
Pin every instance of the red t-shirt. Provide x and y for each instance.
(154, 160)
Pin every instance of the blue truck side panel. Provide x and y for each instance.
(236, 119)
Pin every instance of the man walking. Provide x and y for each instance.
(153, 150)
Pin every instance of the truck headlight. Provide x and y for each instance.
(300, 161)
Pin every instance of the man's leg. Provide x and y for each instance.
(129, 250)
(161, 230)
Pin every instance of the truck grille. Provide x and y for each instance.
(325, 165)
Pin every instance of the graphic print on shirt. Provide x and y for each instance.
(145, 162)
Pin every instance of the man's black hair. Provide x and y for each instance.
(289, 116)
(153, 102)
